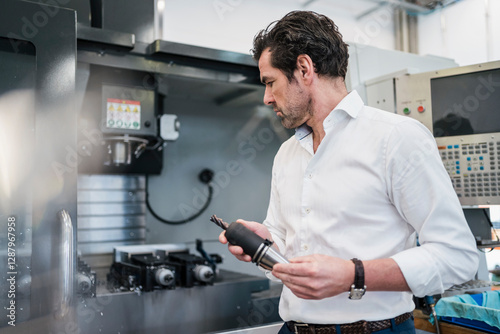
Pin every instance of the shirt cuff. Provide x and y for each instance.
(420, 271)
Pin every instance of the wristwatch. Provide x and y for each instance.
(358, 288)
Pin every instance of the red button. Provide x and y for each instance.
(420, 109)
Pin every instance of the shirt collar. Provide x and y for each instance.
(350, 105)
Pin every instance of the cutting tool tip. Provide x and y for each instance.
(219, 222)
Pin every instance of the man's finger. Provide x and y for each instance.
(222, 237)
(302, 259)
(295, 269)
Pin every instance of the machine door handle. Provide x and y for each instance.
(67, 262)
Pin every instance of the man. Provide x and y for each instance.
(353, 183)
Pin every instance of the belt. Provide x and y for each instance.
(359, 327)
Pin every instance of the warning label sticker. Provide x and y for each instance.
(123, 114)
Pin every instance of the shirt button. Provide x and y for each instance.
(309, 176)
(308, 210)
(305, 247)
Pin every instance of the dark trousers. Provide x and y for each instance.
(407, 327)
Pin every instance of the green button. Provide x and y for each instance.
(406, 111)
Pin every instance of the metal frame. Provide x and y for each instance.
(53, 34)
(105, 48)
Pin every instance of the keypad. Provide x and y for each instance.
(474, 168)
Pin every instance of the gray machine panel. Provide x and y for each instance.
(38, 171)
(227, 304)
(469, 146)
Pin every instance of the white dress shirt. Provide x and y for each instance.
(375, 180)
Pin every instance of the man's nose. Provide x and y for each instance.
(268, 96)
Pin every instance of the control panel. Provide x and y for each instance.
(474, 167)
(461, 107)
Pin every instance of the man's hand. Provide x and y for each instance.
(316, 276)
(237, 251)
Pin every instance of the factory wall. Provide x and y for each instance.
(232, 24)
(468, 31)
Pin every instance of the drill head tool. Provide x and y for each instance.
(252, 244)
(219, 222)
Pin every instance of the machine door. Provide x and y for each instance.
(37, 168)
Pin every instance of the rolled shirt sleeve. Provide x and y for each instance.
(421, 190)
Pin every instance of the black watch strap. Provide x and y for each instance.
(358, 288)
(359, 274)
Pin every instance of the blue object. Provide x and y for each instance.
(480, 311)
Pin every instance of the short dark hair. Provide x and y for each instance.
(304, 32)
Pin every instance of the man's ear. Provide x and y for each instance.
(305, 66)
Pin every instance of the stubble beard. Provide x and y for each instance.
(295, 114)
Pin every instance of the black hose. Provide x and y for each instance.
(205, 177)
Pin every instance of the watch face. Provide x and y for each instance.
(356, 293)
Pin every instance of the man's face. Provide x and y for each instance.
(290, 100)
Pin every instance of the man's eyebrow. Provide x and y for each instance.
(264, 79)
